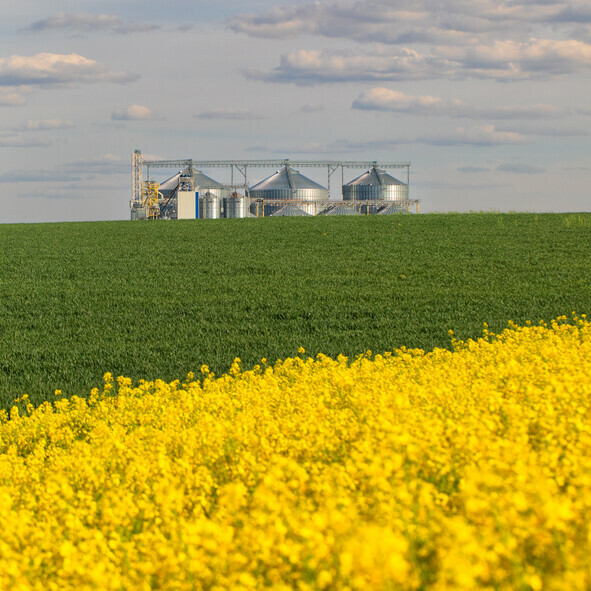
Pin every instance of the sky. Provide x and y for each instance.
(489, 100)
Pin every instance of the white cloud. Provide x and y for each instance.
(230, 114)
(85, 23)
(502, 60)
(477, 136)
(135, 113)
(414, 21)
(308, 66)
(14, 96)
(9, 139)
(47, 124)
(53, 69)
(371, 20)
(384, 99)
(535, 58)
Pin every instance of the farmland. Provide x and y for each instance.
(419, 471)
(156, 300)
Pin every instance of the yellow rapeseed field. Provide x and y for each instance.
(455, 470)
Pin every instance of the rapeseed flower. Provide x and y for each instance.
(463, 469)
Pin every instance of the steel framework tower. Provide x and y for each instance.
(137, 163)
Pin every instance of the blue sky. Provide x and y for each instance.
(489, 100)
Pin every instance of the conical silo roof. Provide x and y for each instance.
(342, 210)
(374, 176)
(392, 209)
(202, 180)
(290, 210)
(286, 179)
(170, 184)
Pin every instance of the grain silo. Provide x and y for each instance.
(286, 186)
(203, 200)
(375, 185)
(210, 196)
(236, 206)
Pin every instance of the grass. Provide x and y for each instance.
(159, 299)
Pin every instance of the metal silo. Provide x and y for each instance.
(209, 206)
(207, 188)
(373, 185)
(236, 206)
(289, 187)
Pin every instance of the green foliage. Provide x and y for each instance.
(158, 299)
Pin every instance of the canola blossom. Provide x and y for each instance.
(463, 469)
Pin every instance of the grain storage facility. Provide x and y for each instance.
(191, 194)
(200, 197)
(375, 185)
(287, 186)
(236, 206)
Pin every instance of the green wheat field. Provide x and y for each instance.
(157, 299)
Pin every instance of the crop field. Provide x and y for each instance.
(450, 470)
(158, 299)
(312, 404)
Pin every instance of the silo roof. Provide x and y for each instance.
(392, 209)
(290, 210)
(171, 183)
(202, 180)
(375, 176)
(342, 210)
(286, 179)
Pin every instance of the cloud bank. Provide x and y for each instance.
(427, 39)
(503, 61)
(87, 23)
(384, 99)
(454, 22)
(135, 113)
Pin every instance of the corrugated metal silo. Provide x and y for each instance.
(209, 206)
(236, 206)
(208, 188)
(375, 184)
(290, 186)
